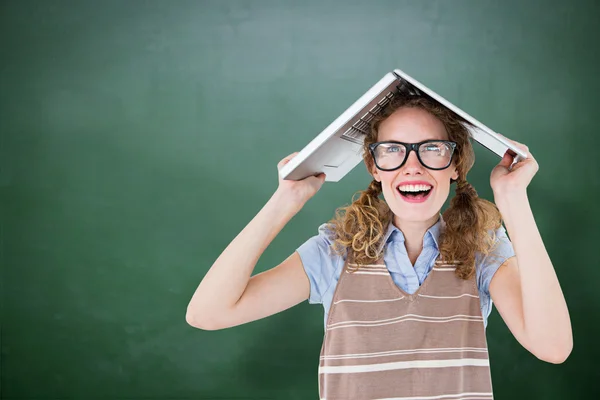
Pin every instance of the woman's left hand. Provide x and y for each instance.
(505, 181)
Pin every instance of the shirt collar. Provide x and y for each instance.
(432, 236)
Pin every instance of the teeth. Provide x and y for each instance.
(414, 188)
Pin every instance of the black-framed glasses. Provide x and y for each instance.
(432, 154)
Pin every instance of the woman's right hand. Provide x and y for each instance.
(298, 192)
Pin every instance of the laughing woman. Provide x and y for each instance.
(406, 288)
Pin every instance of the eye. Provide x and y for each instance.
(438, 149)
(432, 148)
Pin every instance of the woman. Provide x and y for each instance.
(406, 291)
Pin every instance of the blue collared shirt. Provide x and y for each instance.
(323, 266)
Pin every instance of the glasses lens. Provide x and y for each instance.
(389, 155)
(436, 154)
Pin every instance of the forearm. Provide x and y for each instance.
(228, 277)
(545, 313)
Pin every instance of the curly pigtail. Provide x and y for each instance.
(468, 219)
(361, 226)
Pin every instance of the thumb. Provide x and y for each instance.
(507, 160)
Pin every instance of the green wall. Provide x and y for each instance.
(139, 137)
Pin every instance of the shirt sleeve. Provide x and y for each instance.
(487, 267)
(320, 263)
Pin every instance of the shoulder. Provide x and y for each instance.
(323, 240)
(321, 262)
(487, 265)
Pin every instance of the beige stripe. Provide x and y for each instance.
(461, 362)
(368, 269)
(462, 396)
(474, 319)
(367, 265)
(367, 273)
(444, 269)
(405, 316)
(448, 297)
(400, 352)
(367, 301)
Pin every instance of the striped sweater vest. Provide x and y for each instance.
(383, 343)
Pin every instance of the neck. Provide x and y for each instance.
(414, 232)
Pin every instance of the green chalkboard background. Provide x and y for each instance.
(138, 138)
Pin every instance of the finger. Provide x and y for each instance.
(317, 176)
(286, 160)
(524, 149)
(507, 160)
(320, 178)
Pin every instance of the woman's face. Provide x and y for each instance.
(413, 125)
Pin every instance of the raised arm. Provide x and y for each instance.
(229, 295)
(525, 289)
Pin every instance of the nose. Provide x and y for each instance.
(412, 166)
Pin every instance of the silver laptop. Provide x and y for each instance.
(338, 148)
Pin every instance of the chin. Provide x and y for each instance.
(411, 215)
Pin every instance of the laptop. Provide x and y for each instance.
(338, 148)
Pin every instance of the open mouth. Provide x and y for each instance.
(415, 193)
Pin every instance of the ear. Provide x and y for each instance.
(455, 174)
(374, 172)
